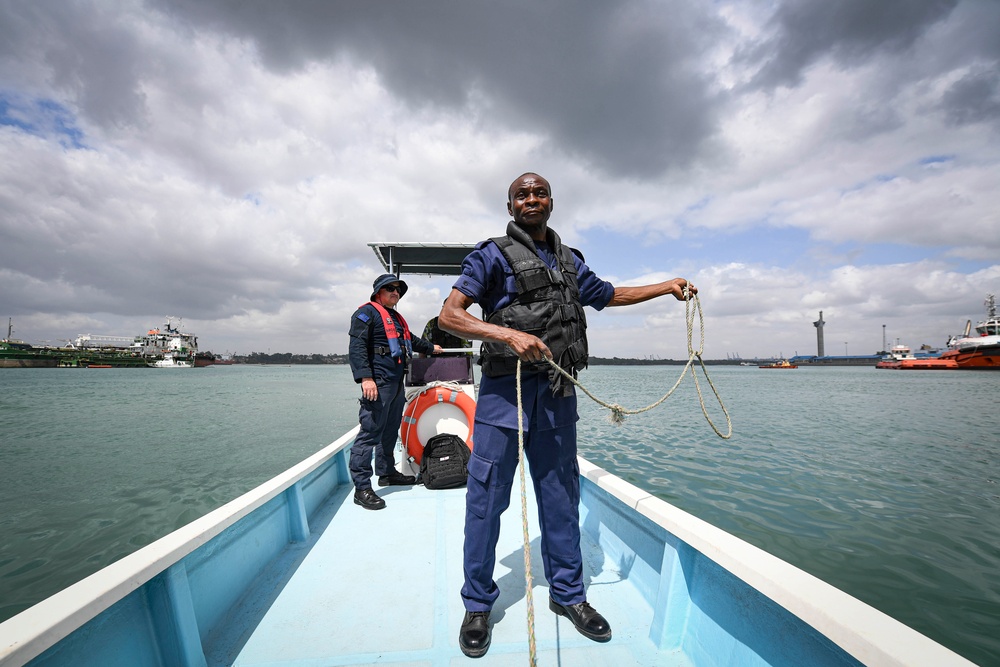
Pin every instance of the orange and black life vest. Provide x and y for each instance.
(392, 334)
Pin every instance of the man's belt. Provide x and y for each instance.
(383, 351)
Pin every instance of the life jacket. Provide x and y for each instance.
(395, 349)
(547, 305)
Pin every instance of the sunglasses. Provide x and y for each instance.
(391, 288)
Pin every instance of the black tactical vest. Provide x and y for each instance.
(547, 305)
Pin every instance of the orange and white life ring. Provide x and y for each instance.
(436, 409)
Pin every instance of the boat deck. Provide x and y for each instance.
(331, 613)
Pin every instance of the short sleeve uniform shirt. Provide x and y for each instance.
(489, 281)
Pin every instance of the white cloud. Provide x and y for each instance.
(229, 167)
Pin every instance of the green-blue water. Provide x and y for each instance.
(884, 483)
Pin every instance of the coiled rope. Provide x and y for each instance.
(618, 413)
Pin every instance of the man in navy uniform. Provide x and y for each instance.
(546, 294)
(380, 348)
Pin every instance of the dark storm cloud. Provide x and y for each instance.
(974, 98)
(618, 85)
(851, 32)
(85, 50)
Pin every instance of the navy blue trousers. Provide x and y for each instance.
(379, 421)
(551, 458)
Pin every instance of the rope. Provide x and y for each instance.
(528, 596)
(618, 413)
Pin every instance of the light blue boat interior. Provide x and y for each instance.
(309, 578)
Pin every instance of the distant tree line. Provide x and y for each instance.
(618, 361)
(286, 358)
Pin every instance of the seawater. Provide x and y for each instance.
(883, 483)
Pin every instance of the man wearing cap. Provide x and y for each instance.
(380, 347)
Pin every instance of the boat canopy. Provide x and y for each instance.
(432, 259)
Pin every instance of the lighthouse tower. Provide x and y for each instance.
(819, 335)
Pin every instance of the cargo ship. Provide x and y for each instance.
(167, 348)
(18, 354)
(158, 348)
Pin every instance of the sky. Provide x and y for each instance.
(226, 163)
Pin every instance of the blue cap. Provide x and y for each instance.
(387, 279)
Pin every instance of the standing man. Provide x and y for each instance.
(544, 294)
(380, 348)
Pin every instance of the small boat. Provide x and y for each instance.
(293, 573)
(99, 366)
(170, 361)
(980, 351)
(784, 363)
(901, 357)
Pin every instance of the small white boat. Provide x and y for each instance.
(293, 573)
(170, 361)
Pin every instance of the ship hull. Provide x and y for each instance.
(27, 363)
(255, 582)
(919, 365)
(984, 357)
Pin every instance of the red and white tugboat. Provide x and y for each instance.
(979, 351)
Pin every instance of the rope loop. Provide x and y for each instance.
(692, 306)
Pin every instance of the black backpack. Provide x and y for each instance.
(444, 463)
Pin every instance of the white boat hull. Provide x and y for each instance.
(291, 572)
(171, 363)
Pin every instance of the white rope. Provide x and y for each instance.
(528, 595)
(618, 413)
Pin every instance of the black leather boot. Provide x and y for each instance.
(367, 499)
(585, 618)
(396, 478)
(474, 638)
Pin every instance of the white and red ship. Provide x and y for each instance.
(980, 350)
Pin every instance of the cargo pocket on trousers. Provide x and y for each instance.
(478, 493)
